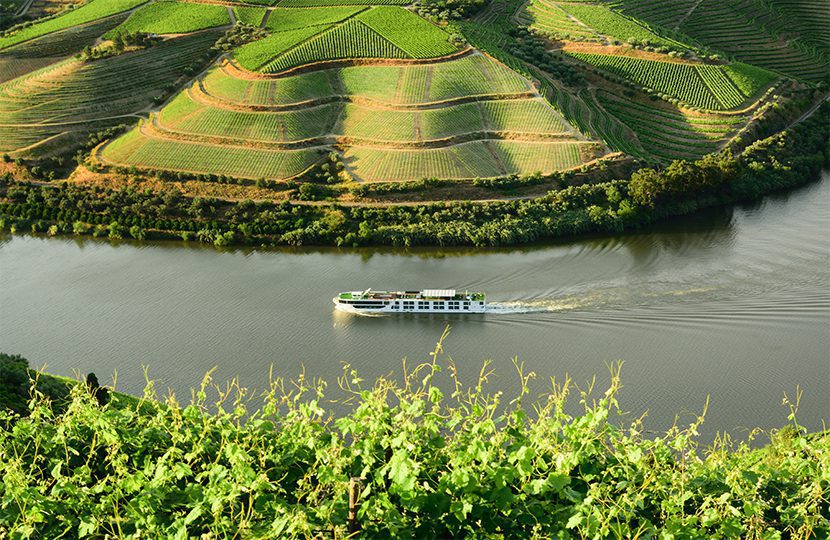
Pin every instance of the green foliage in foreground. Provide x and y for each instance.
(430, 466)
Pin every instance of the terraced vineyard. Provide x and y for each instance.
(612, 24)
(471, 75)
(667, 14)
(786, 36)
(92, 11)
(389, 122)
(549, 17)
(72, 97)
(516, 87)
(176, 155)
(40, 52)
(666, 134)
(726, 27)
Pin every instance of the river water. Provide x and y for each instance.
(733, 304)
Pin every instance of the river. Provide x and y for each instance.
(733, 304)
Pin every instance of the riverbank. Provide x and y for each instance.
(792, 157)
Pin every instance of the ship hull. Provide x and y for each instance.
(394, 307)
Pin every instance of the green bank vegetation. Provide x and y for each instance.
(787, 159)
(427, 457)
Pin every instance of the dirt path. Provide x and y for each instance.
(585, 26)
(232, 15)
(687, 15)
(810, 112)
(232, 68)
(75, 122)
(199, 94)
(748, 122)
(23, 9)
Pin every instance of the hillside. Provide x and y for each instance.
(256, 100)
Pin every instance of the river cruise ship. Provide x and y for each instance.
(426, 301)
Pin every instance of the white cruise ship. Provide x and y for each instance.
(426, 301)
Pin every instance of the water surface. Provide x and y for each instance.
(733, 304)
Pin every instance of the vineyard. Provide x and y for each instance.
(408, 32)
(249, 15)
(322, 3)
(528, 116)
(479, 159)
(612, 24)
(400, 93)
(255, 55)
(154, 153)
(552, 19)
(665, 14)
(61, 99)
(699, 85)
(92, 11)
(351, 39)
(785, 36)
(306, 36)
(37, 53)
(436, 120)
(398, 459)
(667, 134)
(170, 17)
(473, 75)
(281, 19)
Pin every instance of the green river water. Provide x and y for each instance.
(733, 304)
